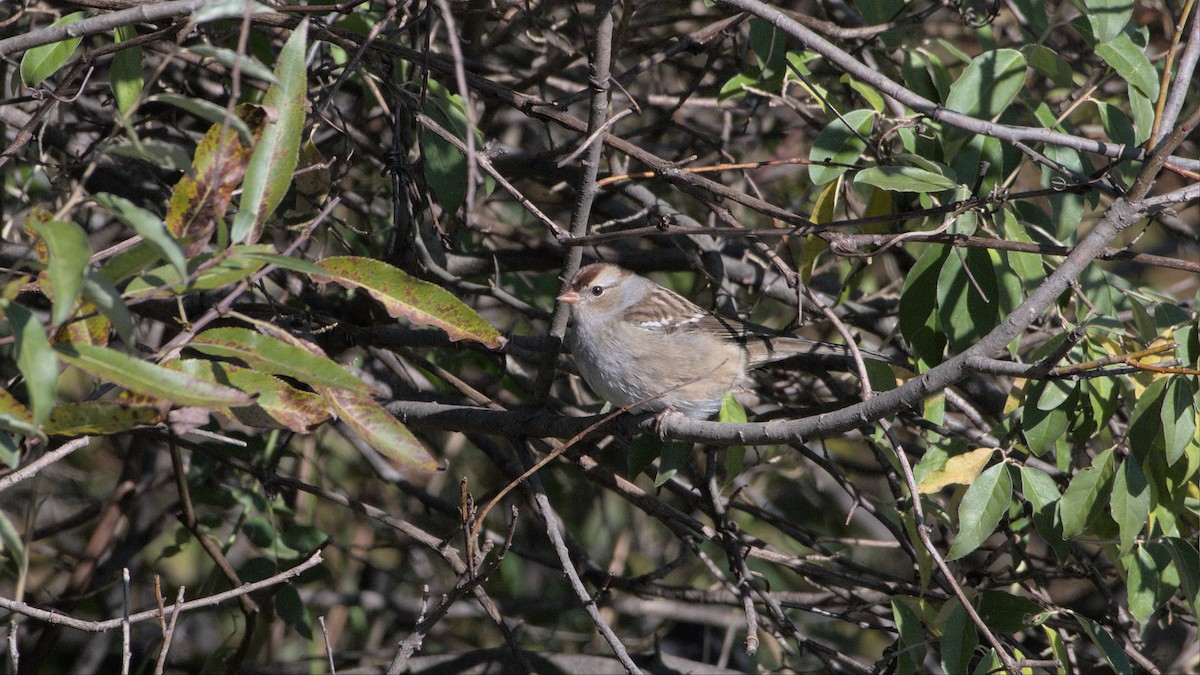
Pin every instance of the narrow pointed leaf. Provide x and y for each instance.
(269, 172)
(418, 301)
(276, 403)
(837, 144)
(100, 418)
(100, 292)
(229, 58)
(148, 226)
(148, 379)
(205, 110)
(35, 358)
(1111, 649)
(382, 431)
(270, 355)
(69, 255)
(125, 73)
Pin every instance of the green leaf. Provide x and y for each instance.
(205, 110)
(148, 226)
(966, 294)
(1049, 63)
(69, 256)
(265, 353)
(925, 74)
(770, 48)
(1108, 645)
(13, 544)
(1178, 417)
(959, 639)
(1130, 501)
(1041, 492)
(1146, 434)
(99, 418)
(912, 634)
(35, 358)
(918, 305)
(1057, 647)
(988, 84)
(735, 455)
(1130, 62)
(418, 301)
(283, 261)
(672, 457)
(141, 377)
(1141, 583)
(125, 73)
(643, 450)
(1008, 613)
(167, 155)
(989, 664)
(837, 143)
(227, 9)
(303, 538)
(248, 65)
(381, 431)
(99, 291)
(736, 86)
(1187, 562)
(269, 172)
(445, 164)
(1108, 18)
(1086, 495)
(14, 416)
(903, 179)
(234, 265)
(985, 502)
(1054, 394)
(292, 610)
(276, 404)
(43, 61)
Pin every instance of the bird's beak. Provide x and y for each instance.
(570, 297)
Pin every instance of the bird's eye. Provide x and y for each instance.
(597, 291)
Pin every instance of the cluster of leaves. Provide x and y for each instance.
(209, 257)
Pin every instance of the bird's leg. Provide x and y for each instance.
(660, 422)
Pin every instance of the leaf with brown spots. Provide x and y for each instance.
(418, 301)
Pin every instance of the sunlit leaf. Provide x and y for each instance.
(99, 418)
(984, 503)
(903, 179)
(959, 470)
(43, 61)
(269, 172)
(1086, 494)
(988, 84)
(381, 431)
(270, 355)
(148, 379)
(418, 301)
